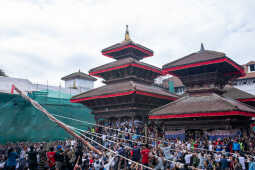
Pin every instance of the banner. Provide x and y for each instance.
(180, 134)
(216, 134)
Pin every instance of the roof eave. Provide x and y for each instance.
(208, 114)
(170, 70)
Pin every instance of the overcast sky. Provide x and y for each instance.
(46, 39)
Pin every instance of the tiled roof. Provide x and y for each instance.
(125, 43)
(79, 75)
(236, 93)
(121, 62)
(199, 56)
(124, 87)
(205, 103)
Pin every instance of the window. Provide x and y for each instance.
(252, 68)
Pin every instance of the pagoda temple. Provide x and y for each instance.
(204, 105)
(129, 91)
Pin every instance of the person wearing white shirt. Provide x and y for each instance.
(188, 146)
(217, 157)
(160, 164)
(103, 137)
(242, 161)
(187, 158)
(166, 151)
(210, 147)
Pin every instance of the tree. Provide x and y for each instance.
(2, 73)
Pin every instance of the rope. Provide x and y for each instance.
(117, 138)
(112, 150)
(52, 118)
(93, 134)
(152, 139)
(105, 127)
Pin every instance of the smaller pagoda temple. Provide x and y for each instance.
(129, 91)
(204, 105)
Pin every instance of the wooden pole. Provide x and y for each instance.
(61, 124)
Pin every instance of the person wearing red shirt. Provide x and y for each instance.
(145, 155)
(51, 158)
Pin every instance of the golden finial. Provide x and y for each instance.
(127, 37)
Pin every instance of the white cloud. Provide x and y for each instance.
(47, 39)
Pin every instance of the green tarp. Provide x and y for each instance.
(20, 121)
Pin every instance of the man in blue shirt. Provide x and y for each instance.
(223, 163)
(11, 160)
(235, 146)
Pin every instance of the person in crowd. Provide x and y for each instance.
(160, 162)
(145, 155)
(252, 164)
(42, 163)
(235, 146)
(224, 163)
(11, 159)
(32, 159)
(127, 148)
(136, 153)
(51, 158)
(59, 157)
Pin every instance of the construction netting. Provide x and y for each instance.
(20, 121)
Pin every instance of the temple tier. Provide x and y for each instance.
(204, 105)
(129, 91)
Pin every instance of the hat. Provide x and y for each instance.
(59, 147)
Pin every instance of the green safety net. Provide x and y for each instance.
(20, 121)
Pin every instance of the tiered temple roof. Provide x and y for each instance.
(205, 74)
(204, 58)
(129, 89)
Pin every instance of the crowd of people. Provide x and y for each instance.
(126, 147)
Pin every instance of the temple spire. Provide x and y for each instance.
(127, 37)
(202, 47)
